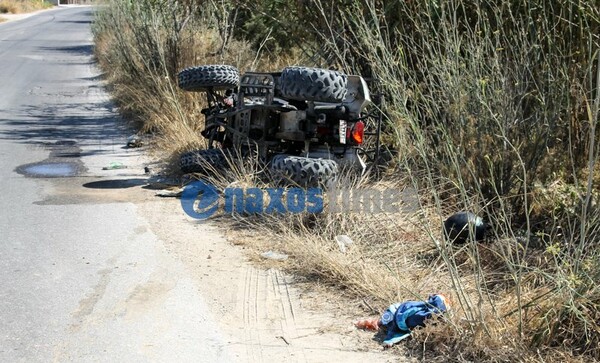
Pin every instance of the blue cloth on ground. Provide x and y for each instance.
(401, 318)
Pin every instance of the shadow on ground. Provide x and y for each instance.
(116, 183)
(81, 122)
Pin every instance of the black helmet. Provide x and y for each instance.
(457, 227)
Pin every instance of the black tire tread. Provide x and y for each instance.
(202, 161)
(306, 172)
(203, 78)
(313, 84)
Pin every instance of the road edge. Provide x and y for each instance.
(11, 18)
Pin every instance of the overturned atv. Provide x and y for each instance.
(305, 123)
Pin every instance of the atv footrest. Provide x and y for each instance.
(258, 85)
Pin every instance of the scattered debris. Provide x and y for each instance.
(161, 182)
(274, 256)
(368, 324)
(344, 242)
(283, 338)
(458, 227)
(170, 193)
(134, 141)
(147, 170)
(400, 318)
(115, 165)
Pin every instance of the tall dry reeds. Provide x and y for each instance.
(492, 107)
(144, 44)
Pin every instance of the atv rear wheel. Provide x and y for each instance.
(313, 84)
(202, 161)
(306, 172)
(203, 78)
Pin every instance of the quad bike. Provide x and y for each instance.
(305, 123)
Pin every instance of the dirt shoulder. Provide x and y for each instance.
(266, 314)
(262, 313)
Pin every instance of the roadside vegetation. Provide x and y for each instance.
(493, 107)
(22, 6)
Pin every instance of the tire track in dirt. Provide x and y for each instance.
(267, 306)
(263, 314)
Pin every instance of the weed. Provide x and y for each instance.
(492, 106)
(22, 6)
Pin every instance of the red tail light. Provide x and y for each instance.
(358, 132)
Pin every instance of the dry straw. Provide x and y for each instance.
(492, 107)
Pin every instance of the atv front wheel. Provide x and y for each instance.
(203, 78)
(313, 84)
(202, 161)
(306, 172)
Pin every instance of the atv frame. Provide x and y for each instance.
(295, 120)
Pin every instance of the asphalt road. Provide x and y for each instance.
(82, 277)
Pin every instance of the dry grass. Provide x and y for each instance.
(478, 128)
(143, 60)
(22, 6)
(401, 256)
(531, 293)
(2, 20)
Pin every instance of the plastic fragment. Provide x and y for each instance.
(115, 165)
(344, 242)
(271, 255)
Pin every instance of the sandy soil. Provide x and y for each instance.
(267, 314)
(264, 314)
